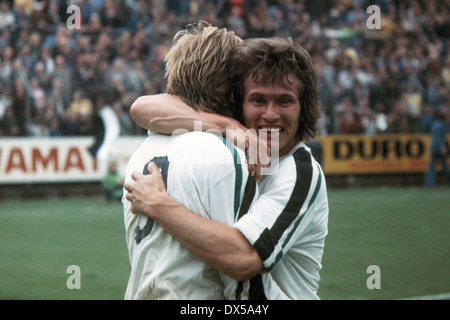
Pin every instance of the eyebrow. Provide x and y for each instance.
(287, 95)
(284, 95)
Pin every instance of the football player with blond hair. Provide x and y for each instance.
(202, 171)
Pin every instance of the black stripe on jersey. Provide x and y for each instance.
(256, 291)
(163, 165)
(269, 238)
(239, 289)
(249, 194)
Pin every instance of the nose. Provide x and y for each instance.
(270, 113)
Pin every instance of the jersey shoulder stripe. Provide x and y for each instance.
(316, 191)
(249, 194)
(269, 238)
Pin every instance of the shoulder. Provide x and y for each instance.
(207, 146)
(298, 172)
(299, 160)
(197, 141)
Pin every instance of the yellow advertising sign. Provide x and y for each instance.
(369, 154)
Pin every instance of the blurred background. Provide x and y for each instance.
(53, 79)
(66, 133)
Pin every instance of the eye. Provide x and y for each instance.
(257, 100)
(284, 101)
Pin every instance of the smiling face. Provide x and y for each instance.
(274, 108)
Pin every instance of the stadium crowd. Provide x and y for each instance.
(54, 79)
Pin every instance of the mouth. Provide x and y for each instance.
(271, 130)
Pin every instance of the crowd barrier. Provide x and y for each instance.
(54, 160)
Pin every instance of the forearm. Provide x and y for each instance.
(165, 113)
(220, 246)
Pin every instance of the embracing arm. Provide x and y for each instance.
(165, 113)
(218, 245)
(221, 246)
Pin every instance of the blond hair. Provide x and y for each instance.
(197, 67)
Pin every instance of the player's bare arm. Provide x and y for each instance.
(165, 113)
(221, 246)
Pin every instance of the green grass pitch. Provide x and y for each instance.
(405, 232)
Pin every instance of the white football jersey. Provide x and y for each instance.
(287, 225)
(207, 175)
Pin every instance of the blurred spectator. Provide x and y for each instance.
(63, 76)
(5, 106)
(438, 149)
(7, 19)
(427, 119)
(9, 125)
(260, 23)
(113, 13)
(381, 119)
(19, 105)
(54, 128)
(235, 21)
(79, 114)
(113, 183)
(80, 105)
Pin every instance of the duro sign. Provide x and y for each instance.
(373, 154)
(413, 148)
